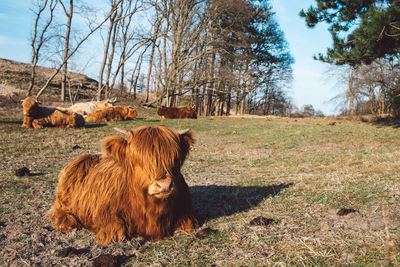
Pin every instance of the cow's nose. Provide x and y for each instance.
(164, 185)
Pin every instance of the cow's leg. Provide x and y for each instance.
(186, 223)
(27, 123)
(38, 124)
(114, 230)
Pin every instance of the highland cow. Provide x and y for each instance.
(135, 187)
(112, 114)
(36, 116)
(177, 113)
(85, 108)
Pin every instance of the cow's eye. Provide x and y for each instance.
(161, 177)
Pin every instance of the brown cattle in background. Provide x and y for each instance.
(36, 116)
(112, 114)
(134, 187)
(177, 113)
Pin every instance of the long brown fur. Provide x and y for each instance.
(177, 113)
(85, 108)
(109, 193)
(112, 114)
(36, 116)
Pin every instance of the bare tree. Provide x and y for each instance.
(129, 42)
(40, 36)
(92, 29)
(372, 88)
(153, 40)
(68, 13)
(136, 74)
(112, 24)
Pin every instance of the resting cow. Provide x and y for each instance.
(36, 116)
(135, 187)
(112, 114)
(85, 108)
(177, 113)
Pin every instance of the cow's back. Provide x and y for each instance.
(77, 170)
(83, 108)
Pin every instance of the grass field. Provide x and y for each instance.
(297, 172)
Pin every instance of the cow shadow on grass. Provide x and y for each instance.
(147, 120)
(215, 201)
(37, 174)
(97, 125)
(9, 121)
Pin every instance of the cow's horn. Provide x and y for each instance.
(184, 131)
(121, 131)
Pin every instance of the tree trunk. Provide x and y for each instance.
(243, 103)
(137, 77)
(73, 51)
(122, 83)
(228, 105)
(107, 91)
(105, 54)
(210, 84)
(38, 42)
(66, 49)
(32, 80)
(351, 91)
(149, 71)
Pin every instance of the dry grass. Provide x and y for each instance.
(15, 77)
(298, 172)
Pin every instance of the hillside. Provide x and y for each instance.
(15, 76)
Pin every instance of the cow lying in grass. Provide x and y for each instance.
(135, 187)
(177, 113)
(112, 114)
(36, 116)
(85, 108)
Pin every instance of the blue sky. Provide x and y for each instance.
(310, 85)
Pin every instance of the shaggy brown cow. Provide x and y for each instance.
(177, 113)
(112, 114)
(135, 187)
(36, 116)
(85, 108)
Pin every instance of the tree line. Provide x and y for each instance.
(365, 51)
(220, 56)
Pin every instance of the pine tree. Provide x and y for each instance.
(362, 30)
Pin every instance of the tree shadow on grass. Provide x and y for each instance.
(383, 121)
(215, 201)
(387, 123)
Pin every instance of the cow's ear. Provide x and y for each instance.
(115, 147)
(186, 139)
